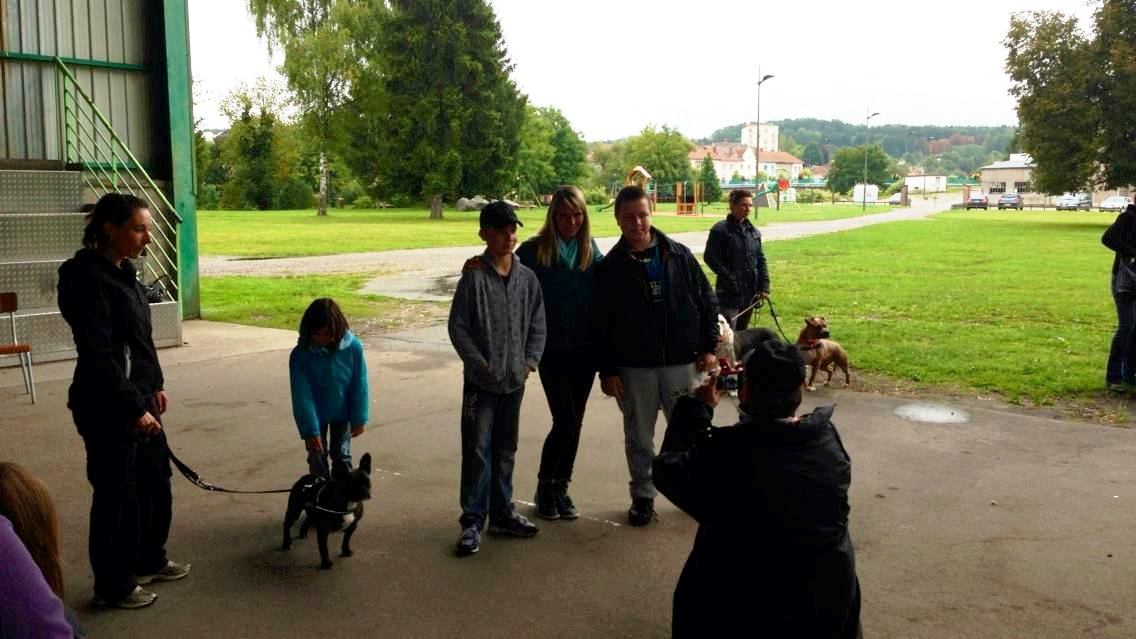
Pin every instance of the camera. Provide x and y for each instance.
(727, 383)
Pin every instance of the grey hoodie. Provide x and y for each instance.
(497, 325)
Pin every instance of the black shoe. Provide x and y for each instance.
(469, 541)
(642, 511)
(546, 500)
(514, 525)
(564, 506)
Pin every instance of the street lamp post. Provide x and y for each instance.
(864, 196)
(929, 141)
(757, 141)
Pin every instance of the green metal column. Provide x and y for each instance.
(182, 152)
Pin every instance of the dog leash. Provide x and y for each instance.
(757, 304)
(196, 480)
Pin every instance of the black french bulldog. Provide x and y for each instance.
(330, 505)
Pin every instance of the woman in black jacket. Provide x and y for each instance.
(1120, 372)
(116, 399)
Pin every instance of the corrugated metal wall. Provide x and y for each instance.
(111, 31)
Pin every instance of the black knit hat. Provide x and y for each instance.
(774, 367)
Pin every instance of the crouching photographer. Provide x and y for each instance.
(772, 556)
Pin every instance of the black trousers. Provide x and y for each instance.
(567, 378)
(131, 508)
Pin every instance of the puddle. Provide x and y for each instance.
(932, 413)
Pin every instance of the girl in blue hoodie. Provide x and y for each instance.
(329, 387)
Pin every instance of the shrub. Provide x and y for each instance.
(811, 196)
(209, 197)
(295, 194)
(597, 195)
(363, 202)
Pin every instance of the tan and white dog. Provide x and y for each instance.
(820, 352)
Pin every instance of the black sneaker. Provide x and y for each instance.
(469, 541)
(514, 525)
(564, 506)
(642, 511)
(546, 500)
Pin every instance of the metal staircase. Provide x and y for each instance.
(41, 225)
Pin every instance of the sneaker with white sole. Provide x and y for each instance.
(138, 598)
(170, 572)
(469, 541)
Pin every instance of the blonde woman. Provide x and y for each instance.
(563, 255)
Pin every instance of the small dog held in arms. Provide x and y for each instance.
(820, 352)
(732, 348)
(330, 505)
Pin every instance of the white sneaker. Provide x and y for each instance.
(138, 598)
(170, 572)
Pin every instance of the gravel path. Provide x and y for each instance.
(430, 274)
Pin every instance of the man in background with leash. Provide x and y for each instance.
(733, 252)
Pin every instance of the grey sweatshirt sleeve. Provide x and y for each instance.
(534, 344)
(462, 330)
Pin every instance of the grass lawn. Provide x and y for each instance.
(279, 302)
(1013, 303)
(290, 233)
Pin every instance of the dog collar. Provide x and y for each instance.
(809, 345)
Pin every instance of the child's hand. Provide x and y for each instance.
(357, 430)
(313, 444)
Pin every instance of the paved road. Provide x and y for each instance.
(431, 274)
(1001, 526)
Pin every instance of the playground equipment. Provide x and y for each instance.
(687, 203)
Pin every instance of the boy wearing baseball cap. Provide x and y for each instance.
(497, 328)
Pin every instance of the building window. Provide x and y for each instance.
(1022, 187)
(997, 187)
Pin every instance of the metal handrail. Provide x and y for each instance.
(111, 157)
(62, 68)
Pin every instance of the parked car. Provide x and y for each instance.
(895, 199)
(1115, 203)
(1010, 201)
(977, 201)
(1074, 202)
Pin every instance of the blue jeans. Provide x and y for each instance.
(1121, 367)
(489, 427)
(340, 452)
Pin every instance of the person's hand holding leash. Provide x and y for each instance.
(147, 424)
(313, 444)
(612, 386)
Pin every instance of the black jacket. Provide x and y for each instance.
(733, 252)
(772, 557)
(117, 370)
(1121, 238)
(627, 329)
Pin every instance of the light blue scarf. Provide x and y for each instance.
(568, 251)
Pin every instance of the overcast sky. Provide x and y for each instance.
(614, 67)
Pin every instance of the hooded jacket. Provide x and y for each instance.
(117, 368)
(497, 326)
(772, 554)
(329, 386)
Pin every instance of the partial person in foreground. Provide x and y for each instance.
(1120, 371)
(31, 577)
(564, 257)
(497, 328)
(117, 399)
(772, 556)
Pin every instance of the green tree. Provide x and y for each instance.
(319, 53)
(663, 152)
(1050, 63)
(609, 164)
(260, 153)
(534, 154)
(813, 155)
(1115, 54)
(440, 114)
(737, 178)
(708, 178)
(569, 159)
(848, 168)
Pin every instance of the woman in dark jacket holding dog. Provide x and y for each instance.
(117, 399)
(1120, 372)
(563, 255)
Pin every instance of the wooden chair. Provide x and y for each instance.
(9, 304)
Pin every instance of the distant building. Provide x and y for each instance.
(776, 163)
(728, 159)
(926, 183)
(1008, 176)
(768, 136)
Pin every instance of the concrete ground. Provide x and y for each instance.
(1001, 526)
